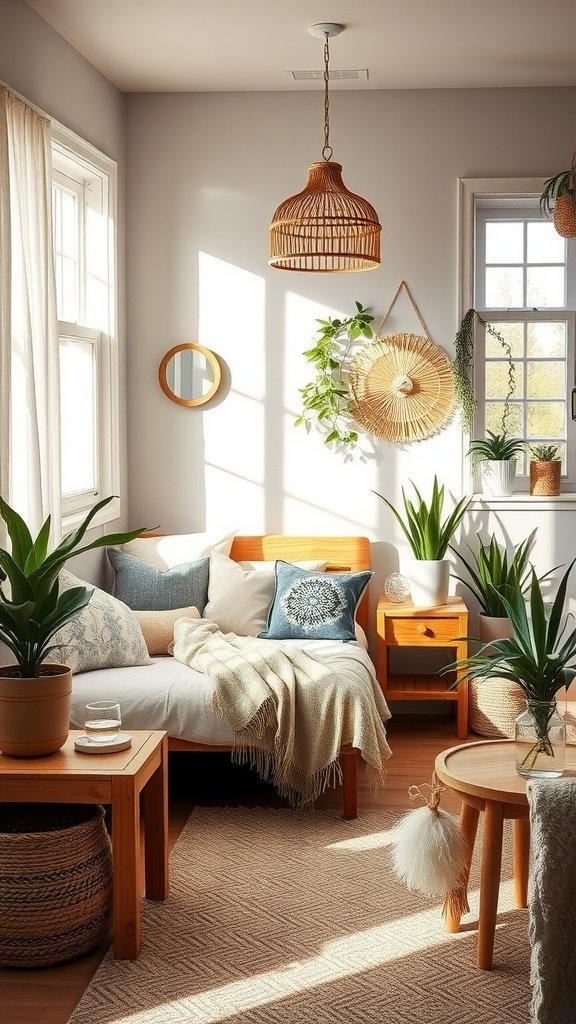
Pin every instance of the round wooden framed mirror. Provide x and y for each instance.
(189, 374)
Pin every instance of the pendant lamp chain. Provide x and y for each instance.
(327, 150)
(325, 228)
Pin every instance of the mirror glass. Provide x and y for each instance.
(189, 374)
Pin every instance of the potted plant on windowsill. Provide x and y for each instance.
(538, 657)
(559, 198)
(35, 696)
(428, 536)
(545, 470)
(492, 579)
(495, 454)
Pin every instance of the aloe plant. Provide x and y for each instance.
(426, 532)
(495, 447)
(36, 609)
(537, 657)
(545, 452)
(493, 577)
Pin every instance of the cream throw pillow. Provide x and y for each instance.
(175, 549)
(158, 628)
(238, 599)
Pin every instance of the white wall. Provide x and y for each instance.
(39, 64)
(204, 174)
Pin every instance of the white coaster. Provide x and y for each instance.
(90, 746)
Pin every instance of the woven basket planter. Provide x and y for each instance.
(55, 882)
(545, 477)
(565, 215)
(494, 706)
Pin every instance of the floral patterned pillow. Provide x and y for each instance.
(315, 605)
(106, 633)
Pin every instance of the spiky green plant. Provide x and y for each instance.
(493, 577)
(537, 657)
(561, 184)
(545, 452)
(426, 532)
(36, 609)
(496, 447)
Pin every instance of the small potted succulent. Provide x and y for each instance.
(34, 694)
(559, 198)
(545, 469)
(428, 536)
(496, 455)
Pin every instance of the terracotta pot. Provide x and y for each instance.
(545, 477)
(34, 713)
(429, 582)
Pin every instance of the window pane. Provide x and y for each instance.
(512, 334)
(545, 245)
(69, 225)
(68, 298)
(504, 287)
(545, 287)
(545, 419)
(546, 380)
(504, 242)
(78, 415)
(547, 339)
(494, 417)
(498, 380)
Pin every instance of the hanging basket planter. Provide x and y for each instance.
(565, 215)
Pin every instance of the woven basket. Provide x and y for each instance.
(494, 706)
(55, 882)
(565, 215)
(545, 477)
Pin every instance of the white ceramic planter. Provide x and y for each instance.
(498, 476)
(429, 582)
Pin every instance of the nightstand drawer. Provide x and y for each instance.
(421, 631)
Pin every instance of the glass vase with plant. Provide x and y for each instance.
(428, 534)
(538, 657)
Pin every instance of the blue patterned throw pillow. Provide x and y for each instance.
(314, 605)
(144, 587)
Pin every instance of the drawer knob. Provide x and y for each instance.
(424, 630)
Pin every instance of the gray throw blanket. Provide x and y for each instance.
(552, 900)
(289, 712)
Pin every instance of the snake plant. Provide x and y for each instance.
(424, 529)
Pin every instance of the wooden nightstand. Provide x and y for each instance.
(403, 625)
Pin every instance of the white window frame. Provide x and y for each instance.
(74, 158)
(490, 192)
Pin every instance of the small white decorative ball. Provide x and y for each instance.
(397, 588)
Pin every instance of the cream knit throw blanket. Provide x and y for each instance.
(551, 900)
(289, 712)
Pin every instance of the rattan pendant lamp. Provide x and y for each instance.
(325, 228)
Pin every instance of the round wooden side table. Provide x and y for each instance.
(484, 776)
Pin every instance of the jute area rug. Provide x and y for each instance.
(283, 916)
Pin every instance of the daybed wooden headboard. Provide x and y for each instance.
(344, 554)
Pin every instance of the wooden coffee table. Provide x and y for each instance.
(117, 779)
(484, 776)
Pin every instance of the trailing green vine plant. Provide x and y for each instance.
(326, 399)
(462, 365)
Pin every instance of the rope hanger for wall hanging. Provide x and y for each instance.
(402, 385)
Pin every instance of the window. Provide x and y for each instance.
(83, 222)
(522, 282)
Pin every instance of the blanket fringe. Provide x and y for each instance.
(289, 779)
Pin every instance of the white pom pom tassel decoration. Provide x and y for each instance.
(430, 852)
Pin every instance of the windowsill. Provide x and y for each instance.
(565, 502)
(108, 514)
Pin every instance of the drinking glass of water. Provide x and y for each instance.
(102, 721)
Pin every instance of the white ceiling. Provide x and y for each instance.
(239, 45)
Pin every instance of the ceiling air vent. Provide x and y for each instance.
(334, 76)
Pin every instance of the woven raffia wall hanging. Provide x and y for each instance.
(402, 385)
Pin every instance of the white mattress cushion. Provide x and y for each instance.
(175, 549)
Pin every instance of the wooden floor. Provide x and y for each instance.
(49, 995)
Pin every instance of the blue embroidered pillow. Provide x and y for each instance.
(144, 587)
(314, 605)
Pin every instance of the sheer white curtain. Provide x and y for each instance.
(29, 366)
